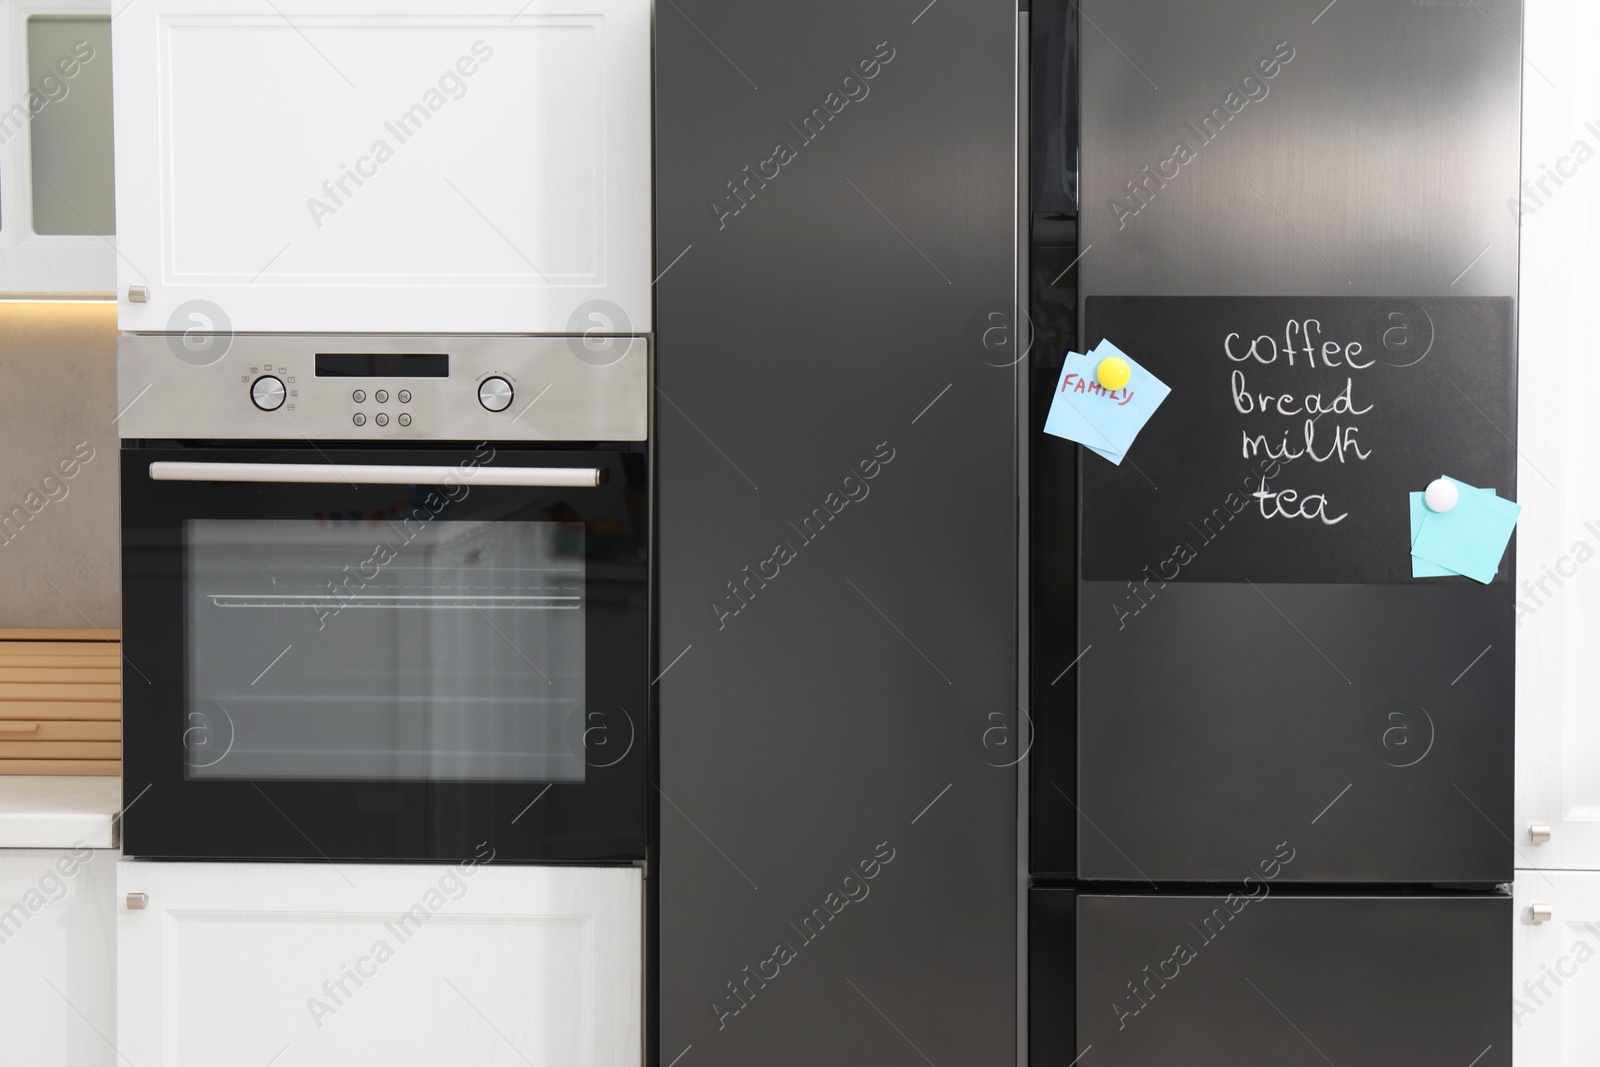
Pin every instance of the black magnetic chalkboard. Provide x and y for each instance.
(1388, 393)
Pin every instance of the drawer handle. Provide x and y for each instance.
(19, 727)
(1540, 913)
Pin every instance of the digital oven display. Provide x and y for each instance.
(383, 365)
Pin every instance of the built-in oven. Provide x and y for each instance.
(399, 609)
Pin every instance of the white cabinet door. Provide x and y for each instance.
(394, 965)
(382, 166)
(58, 957)
(57, 230)
(1558, 535)
(1556, 970)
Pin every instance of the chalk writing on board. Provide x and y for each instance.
(1284, 424)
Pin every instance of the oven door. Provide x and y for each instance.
(386, 655)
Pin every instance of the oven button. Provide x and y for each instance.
(495, 393)
(359, 419)
(359, 396)
(381, 419)
(405, 420)
(267, 392)
(381, 396)
(404, 396)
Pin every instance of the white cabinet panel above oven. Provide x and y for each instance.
(224, 963)
(371, 166)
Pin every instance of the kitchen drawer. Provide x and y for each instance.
(1263, 977)
(60, 702)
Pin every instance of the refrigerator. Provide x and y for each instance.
(837, 876)
(1271, 786)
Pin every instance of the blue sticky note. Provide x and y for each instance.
(1105, 422)
(1069, 420)
(1471, 537)
(1422, 568)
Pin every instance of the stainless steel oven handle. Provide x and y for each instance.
(375, 474)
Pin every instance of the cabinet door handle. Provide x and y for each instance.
(1540, 913)
(19, 727)
(1539, 833)
(137, 901)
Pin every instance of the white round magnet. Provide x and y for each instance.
(1441, 495)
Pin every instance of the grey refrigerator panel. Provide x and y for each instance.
(1365, 148)
(1377, 159)
(1280, 979)
(837, 545)
(1235, 733)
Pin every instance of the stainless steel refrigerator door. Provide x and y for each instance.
(837, 532)
(1378, 157)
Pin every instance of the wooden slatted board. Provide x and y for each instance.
(61, 702)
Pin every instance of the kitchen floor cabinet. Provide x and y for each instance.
(1556, 968)
(362, 963)
(1558, 534)
(58, 957)
(367, 166)
(1558, 615)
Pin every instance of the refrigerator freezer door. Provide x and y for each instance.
(1216, 980)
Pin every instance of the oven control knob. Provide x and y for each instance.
(495, 393)
(267, 392)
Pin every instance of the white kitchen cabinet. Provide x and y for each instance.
(1558, 534)
(57, 221)
(396, 965)
(1556, 970)
(384, 167)
(58, 957)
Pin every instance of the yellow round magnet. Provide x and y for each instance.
(1113, 373)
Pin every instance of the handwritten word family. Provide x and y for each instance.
(1077, 383)
(1303, 348)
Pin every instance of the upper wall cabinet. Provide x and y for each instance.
(57, 209)
(383, 166)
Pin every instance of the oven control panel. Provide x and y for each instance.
(345, 387)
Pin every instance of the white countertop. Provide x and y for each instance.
(43, 811)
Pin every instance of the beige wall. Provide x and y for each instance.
(58, 397)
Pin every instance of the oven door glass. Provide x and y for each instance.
(429, 651)
(380, 668)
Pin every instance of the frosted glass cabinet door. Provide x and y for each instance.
(405, 966)
(367, 165)
(57, 217)
(1556, 970)
(57, 957)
